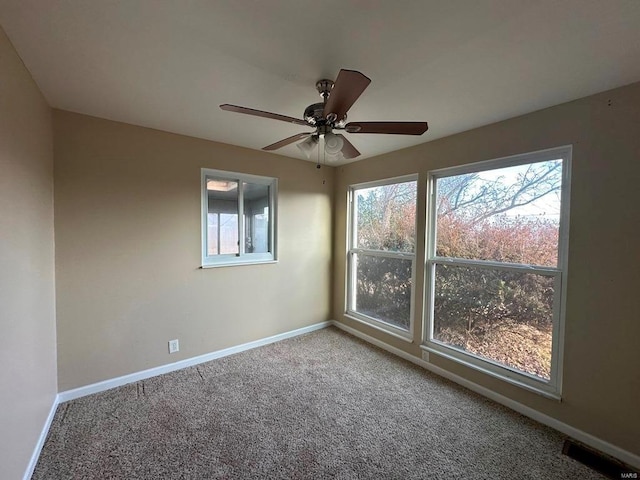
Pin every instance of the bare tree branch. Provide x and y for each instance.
(478, 199)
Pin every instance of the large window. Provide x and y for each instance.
(496, 266)
(382, 254)
(238, 213)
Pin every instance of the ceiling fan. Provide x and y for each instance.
(330, 115)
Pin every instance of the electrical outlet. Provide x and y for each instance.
(174, 346)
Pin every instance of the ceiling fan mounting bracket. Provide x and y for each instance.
(324, 87)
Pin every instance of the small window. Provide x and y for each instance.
(238, 218)
(496, 265)
(381, 260)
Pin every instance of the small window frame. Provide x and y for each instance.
(553, 387)
(242, 257)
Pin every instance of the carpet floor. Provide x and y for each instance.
(322, 405)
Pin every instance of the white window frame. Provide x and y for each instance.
(352, 250)
(241, 258)
(553, 387)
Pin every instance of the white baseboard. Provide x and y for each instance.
(171, 367)
(625, 456)
(41, 439)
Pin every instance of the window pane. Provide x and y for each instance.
(212, 234)
(386, 217)
(383, 289)
(506, 215)
(229, 233)
(256, 217)
(504, 316)
(222, 217)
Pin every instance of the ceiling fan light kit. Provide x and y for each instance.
(332, 143)
(331, 114)
(307, 146)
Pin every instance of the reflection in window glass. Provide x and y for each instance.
(212, 233)
(228, 233)
(222, 217)
(256, 217)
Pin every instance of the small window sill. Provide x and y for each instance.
(237, 264)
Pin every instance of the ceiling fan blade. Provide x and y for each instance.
(286, 141)
(348, 150)
(397, 128)
(347, 88)
(260, 113)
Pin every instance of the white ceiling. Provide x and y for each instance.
(458, 64)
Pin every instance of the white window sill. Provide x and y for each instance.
(495, 374)
(238, 263)
(381, 326)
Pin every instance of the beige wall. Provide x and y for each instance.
(27, 321)
(127, 218)
(601, 393)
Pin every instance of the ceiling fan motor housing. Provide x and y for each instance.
(314, 115)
